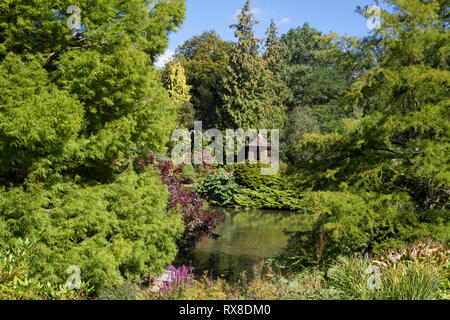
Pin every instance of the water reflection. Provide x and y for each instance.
(247, 237)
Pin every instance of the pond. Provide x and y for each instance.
(246, 238)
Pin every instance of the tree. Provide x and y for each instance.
(204, 59)
(300, 121)
(318, 71)
(274, 51)
(275, 65)
(76, 106)
(248, 95)
(179, 91)
(394, 159)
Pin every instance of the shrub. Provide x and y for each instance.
(114, 231)
(15, 283)
(126, 291)
(349, 223)
(264, 191)
(220, 189)
(199, 222)
(188, 174)
(268, 198)
(249, 175)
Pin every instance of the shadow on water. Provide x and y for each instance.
(246, 238)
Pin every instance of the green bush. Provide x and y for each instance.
(349, 223)
(15, 283)
(264, 191)
(249, 175)
(220, 189)
(115, 231)
(268, 198)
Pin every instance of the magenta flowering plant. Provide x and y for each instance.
(177, 279)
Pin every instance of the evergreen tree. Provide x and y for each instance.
(76, 107)
(179, 91)
(274, 51)
(319, 69)
(175, 82)
(249, 97)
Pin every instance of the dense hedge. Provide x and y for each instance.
(249, 176)
(264, 191)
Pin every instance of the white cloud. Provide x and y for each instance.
(164, 58)
(285, 20)
(256, 11)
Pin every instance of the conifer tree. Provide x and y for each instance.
(249, 99)
(179, 91)
(77, 106)
(384, 179)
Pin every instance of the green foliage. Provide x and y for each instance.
(382, 181)
(188, 174)
(126, 291)
(15, 283)
(251, 90)
(341, 223)
(264, 191)
(111, 231)
(77, 101)
(349, 276)
(268, 198)
(204, 58)
(39, 123)
(249, 175)
(76, 105)
(145, 23)
(220, 189)
(301, 121)
(319, 69)
(408, 280)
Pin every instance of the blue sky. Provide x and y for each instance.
(324, 15)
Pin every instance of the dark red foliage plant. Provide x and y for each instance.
(199, 222)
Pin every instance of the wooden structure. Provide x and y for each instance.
(258, 150)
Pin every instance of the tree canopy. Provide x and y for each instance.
(77, 106)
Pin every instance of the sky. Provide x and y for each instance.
(325, 15)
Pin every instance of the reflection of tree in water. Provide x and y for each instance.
(247, 237)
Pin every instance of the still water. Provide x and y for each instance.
(246, 238)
